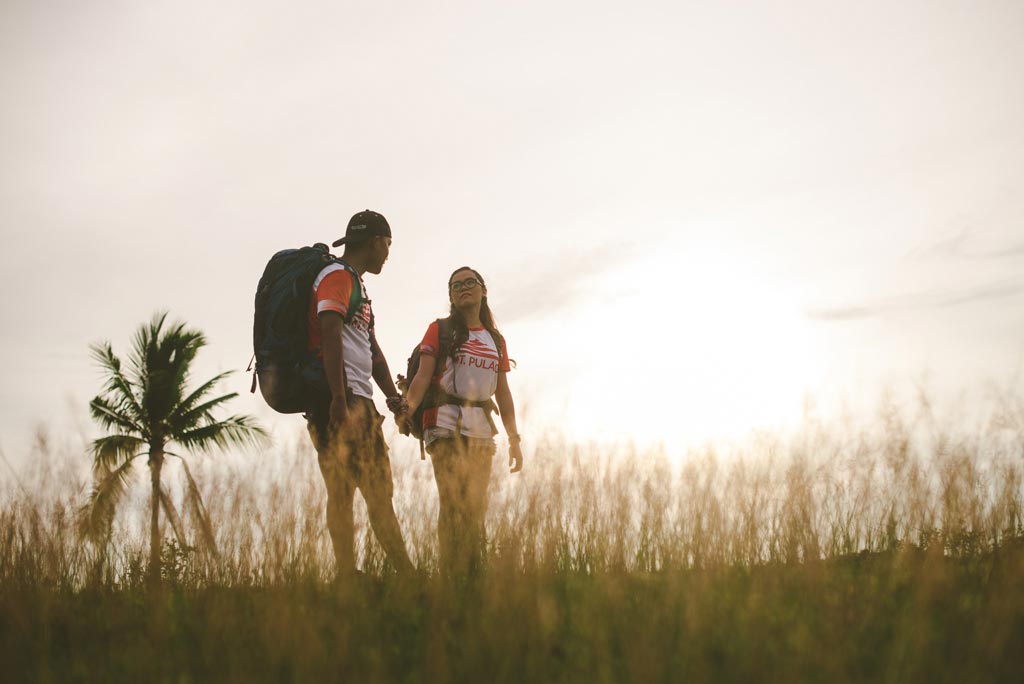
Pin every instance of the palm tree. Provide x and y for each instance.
(147, 409)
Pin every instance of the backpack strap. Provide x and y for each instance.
(499, 342)
(358, 296)
(444, 340)
(435, 396)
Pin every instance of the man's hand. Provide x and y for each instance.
(396, 404)
(515, 456)
(400, 408)
(339, 413)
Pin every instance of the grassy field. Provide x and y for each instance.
(892, 551)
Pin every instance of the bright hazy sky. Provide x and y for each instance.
(690, 216)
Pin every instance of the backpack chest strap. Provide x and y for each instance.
(442, 398)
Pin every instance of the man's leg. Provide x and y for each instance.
(332, 457)
(375, 482)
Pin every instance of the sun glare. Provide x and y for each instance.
(689, 344)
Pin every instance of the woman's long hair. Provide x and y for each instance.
(459, 328)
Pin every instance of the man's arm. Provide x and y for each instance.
(331, 326)
(381, 372)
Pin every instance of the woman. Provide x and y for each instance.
(463, 364)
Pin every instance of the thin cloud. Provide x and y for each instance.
(558, 283)
(946, 247)
(964, 245)
(1011, 251)
(912, 302)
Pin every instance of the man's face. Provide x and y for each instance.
(379, 250)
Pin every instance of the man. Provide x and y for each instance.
(343, 422)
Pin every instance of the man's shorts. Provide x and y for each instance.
(361, 454)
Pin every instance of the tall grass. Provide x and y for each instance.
(885, 551)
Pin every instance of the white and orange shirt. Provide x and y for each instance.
(332, 291)
(472, 374)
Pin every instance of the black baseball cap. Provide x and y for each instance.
(365, 223)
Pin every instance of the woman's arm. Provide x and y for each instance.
(507, 409)
(418, 386)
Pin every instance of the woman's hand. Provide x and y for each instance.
(403, 420)
(507, 411)
(515, 456)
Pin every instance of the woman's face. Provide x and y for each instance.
(465, 289)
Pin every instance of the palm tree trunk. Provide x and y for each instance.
(156, 461)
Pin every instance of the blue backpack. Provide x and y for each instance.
(279, 334)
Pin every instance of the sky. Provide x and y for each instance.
(694, 219)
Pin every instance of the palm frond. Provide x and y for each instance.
(118, 384)
(194, 500)
(233, 431)
(98, 513)
(189, 402)
(142, 342)
(191, 417)
(172, 515)
(103, 354)
(164, 358)
(110, 415)
(180, 349)
(109, 451)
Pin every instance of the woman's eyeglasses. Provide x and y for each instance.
(467, 284)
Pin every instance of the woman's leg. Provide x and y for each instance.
(443, 459)
(462, 474)
(478, 477)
